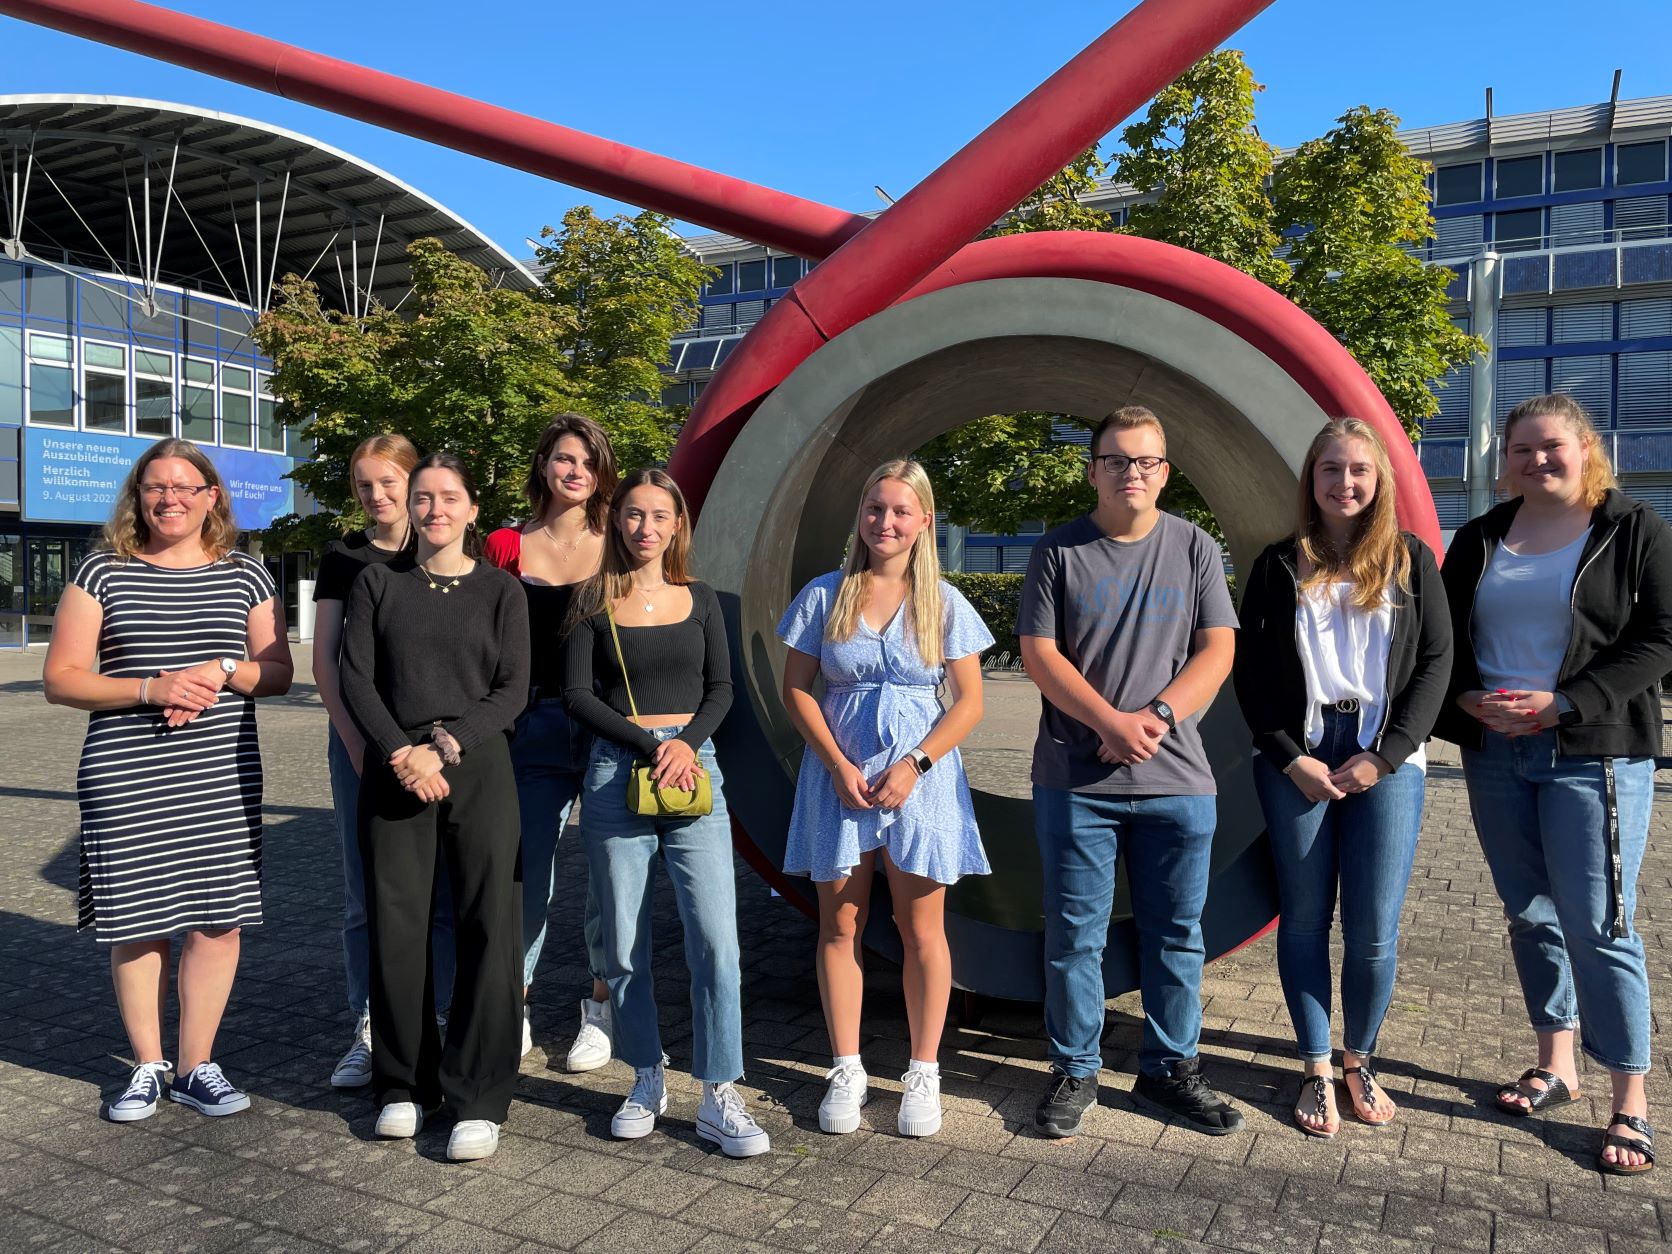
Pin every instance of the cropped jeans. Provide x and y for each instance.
(1365, 843)
(1166, 843)
(549, 753)
(621, 850)
(345, 800)
(1542, 819)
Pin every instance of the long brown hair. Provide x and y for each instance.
(1376, 557)
(1596, 476)
(127, 531)
(399, 452)
(614, 579)
(597, 443)
(450, 461)
(923, 590)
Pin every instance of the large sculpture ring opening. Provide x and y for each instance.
(779, 511)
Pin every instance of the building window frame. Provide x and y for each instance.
(231, 394)
(267, 415)
(105, 371)
(192, 389)
(153, 376)
(37, 363)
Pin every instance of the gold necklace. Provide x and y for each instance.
(443, 588)
(645, 594)
(566, 548)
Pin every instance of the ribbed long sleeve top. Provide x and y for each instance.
(413, 655)
(675, 668)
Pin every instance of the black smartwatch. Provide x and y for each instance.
(920, 761)
(1566, 715)
(1164, 712)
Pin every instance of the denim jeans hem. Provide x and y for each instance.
(1556, 1025)
(1166, 1074)
(1073, 1073)
(1304, 1056)
(1619, 1068)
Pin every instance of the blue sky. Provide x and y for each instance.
(827, 100)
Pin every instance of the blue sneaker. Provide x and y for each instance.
(139, 1099)
(207, 1091)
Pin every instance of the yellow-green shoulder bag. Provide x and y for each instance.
(644, 795)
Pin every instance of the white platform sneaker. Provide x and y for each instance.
(846, 1092)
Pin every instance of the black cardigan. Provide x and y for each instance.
(1271, 685)
(1621, 641)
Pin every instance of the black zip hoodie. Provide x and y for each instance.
(1271, 684)
(1621, 639)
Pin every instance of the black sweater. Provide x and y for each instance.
(1271, 684)
(674, 668)
(1621, 640)
(413, 655)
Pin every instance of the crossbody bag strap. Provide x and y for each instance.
(631, 704)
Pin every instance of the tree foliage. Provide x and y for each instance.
(1056, 206)
(1199, 153)
(478, 369)
(1357, 196)
(995, 473)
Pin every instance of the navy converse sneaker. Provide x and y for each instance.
(139, 1099)
(207, 1091)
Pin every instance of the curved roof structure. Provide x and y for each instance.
(164, 193)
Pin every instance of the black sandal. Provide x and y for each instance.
(1644, 1147)
(1367, 1083)
(1555, 1093)
(1320, 1104)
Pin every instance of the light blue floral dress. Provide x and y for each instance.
(880, 702)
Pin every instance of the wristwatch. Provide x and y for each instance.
(229, 668)
(1566, 715)
(920, 761)
(1164, 712)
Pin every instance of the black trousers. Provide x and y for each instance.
(403, 841)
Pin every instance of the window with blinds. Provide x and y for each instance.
(1452, 390)
(1454, 237)
(1657, 496)
(1645, 389)
(1518, 380)
(1522, 328)
(1640, 319)
(1640, 217)
(1452, 507)
(1589, 380)
(750, 312)
(1576, 224)
(1582, 324)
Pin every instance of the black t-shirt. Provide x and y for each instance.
(343, 561)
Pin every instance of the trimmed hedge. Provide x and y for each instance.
(997, 598)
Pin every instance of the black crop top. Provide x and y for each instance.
(673, 667)
(548, 607)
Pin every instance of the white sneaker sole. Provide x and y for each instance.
(926, 1125)
(842, 1124)
(131, 1115)
(472, 1152)
(588, 1059)
(734, 1146)
(397, 1130)
(631, 1129)
(216, 1111)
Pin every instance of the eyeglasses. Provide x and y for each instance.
(1116, 465)
(182, 492)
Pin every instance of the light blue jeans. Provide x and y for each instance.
(1365, 843)
(1166, 843)
(1543, 825)
(345, 800)
(549, 753)
(621, 850)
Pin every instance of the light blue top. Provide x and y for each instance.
(1523, 618)
(880, 702)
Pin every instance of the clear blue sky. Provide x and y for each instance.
(825, 100)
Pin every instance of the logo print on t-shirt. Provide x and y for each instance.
(1112, 597)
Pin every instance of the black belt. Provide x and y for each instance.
(1348, 706)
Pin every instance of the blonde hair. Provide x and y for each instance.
(1376, 557)
(1597, 474)
(127, 531)
(1128, 418)
(924, 605)
(614, 579)
(402, 454)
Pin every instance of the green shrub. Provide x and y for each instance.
(997, 598)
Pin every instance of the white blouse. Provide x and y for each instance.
(1344, 655)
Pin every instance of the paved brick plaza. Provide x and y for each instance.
(297, 1172)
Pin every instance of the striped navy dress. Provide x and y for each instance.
(170, 816)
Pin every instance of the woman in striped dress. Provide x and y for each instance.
(170, 777)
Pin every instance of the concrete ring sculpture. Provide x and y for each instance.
(1073, 324)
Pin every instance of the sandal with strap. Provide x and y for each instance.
(1367, 1088)
(1644, 1147)
(1554, 1093)
(1320, 1086)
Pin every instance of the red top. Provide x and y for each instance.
(503, 549)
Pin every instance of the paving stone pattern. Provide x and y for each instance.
(299, 1170)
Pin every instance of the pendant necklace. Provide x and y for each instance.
(644, 595)
(565, 548)
(443, 588)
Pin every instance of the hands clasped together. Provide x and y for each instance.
(184, 694)
(1511, 712)
(888, 791)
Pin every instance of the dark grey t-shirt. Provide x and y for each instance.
(1125, 613)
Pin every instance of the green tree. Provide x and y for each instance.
(628, 286)
(996, 473)
(473, 368)
(1360, 200)
(1198, 152)
(1056, 205)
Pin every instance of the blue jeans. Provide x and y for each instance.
(1543, 825)
(1166, 843)
(345, 798)
(549, 754)
(1365, 843)
(621, 851)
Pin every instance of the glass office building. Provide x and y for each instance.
(1556, 225)
(139, 242)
